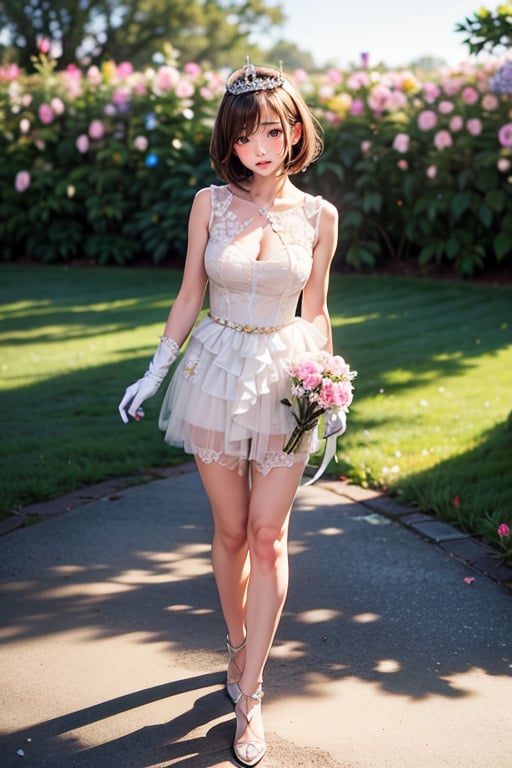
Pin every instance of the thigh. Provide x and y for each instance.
(228, 493)
(272, 496)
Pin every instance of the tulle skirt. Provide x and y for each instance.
(223, 403)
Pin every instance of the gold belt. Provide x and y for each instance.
(244, 328)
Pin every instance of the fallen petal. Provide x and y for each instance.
(469, 579)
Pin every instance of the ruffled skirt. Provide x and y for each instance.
(223, 403)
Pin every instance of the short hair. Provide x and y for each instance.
(240, 114)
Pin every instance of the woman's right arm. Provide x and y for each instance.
(183, 312)
(189, 300)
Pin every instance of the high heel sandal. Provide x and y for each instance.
(232, 689)
(248, 752)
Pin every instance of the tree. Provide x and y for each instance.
(488, 30)
(208, 31)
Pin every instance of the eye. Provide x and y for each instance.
(274, 133)
(242, 140)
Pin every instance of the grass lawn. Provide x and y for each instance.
(430, 418)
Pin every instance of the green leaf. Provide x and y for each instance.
(502, 244)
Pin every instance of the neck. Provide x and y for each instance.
(265, 191)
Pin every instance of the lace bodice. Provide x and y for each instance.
(258, 261)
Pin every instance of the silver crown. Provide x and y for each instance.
(247, 79)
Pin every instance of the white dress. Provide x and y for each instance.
(224, 400)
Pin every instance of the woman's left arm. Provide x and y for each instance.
(314, 296)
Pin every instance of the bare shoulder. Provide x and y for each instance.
(329, 212)
(201, 207)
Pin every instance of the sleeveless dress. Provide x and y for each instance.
(224, 399)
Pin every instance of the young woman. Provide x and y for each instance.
(258, 243)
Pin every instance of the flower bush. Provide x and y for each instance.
(102, 164)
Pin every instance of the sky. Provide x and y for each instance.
(394, 32)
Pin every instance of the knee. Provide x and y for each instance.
(268, 546)
(233, 539)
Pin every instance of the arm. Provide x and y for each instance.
(314, 297)
(189, 300)
(182, 316)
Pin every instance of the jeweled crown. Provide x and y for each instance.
(248, 79)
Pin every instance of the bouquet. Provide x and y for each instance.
(319, 384)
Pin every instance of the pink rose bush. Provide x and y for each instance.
(91, 128)
(318, 384)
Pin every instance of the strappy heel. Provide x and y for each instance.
(232, 688)
(252, 750)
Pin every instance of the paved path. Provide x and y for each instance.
(112, 652)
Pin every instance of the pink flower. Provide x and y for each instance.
(44, 45)
(474, 126)
(338, 366)
(300, 76)
(82, 143)
(427, 120)
(184, 89)
(192, 68)
(443, 139)
(401, 142)
(334, 76)
(140, 143)
(503, 164)
(403, 165)
(505, 135)
(431, 91)
(431, 171)
(22, 181)
(357, 107)
(469, 579)
(366, 146)
(45, 113)
(445, 107)
(96, 129)
(503, 530)
(470, 95)
(57, 106)
(456, 501)
(358, 80)
(490, 102)
(123, 70)
(456, 123)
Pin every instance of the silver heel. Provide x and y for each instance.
(232, 680)
(248, 752)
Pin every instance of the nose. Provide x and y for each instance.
(260, 148)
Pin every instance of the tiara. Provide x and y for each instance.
(247, 79)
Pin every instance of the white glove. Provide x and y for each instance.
(149, 385)
(335, 423)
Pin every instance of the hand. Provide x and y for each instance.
(135, 395)
(149, 385)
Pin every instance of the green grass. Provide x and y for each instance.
(429, 419)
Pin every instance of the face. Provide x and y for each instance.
(263, 152)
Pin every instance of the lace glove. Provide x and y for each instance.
(149, 385)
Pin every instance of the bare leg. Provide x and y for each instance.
(228, 494)
(271, 500)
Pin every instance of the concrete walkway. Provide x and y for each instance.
(392, 652)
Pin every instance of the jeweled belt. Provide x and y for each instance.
(244, 328)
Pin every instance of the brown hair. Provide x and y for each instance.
(240, 115)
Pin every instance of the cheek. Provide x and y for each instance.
(241, 151)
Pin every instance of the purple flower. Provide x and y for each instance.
(22, 181)
(505, 135)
